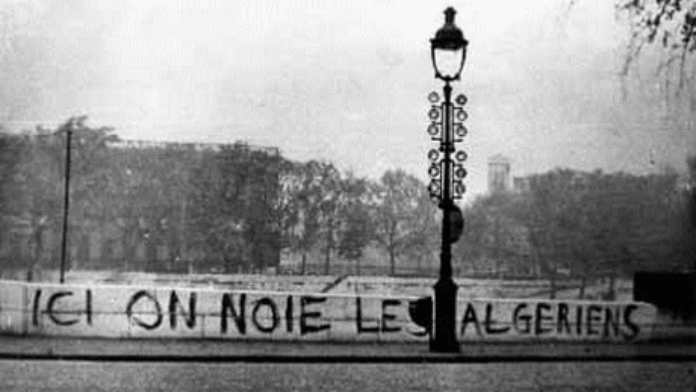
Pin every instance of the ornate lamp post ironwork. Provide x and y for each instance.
(447, 172)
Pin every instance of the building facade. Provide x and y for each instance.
(499, 174)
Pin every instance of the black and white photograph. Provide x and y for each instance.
(347, 195)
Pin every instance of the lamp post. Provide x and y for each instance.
(448, 51)
(66, 204)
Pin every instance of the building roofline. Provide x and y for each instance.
(499, 158)
(152, 144)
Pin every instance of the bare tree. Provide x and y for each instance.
(399, 213)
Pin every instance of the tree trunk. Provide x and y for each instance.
(38, 250)
(611, 294)
(327, 260)
(554, 272)
(151, 261)
(259, 261)
(329, 245)
(583, 279)
(129, 240)
(583, 285)
(392, 262)
(181, 246)
(303, 265)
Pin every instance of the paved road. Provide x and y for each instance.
(219, 351)
(76, 376)
(44, 364)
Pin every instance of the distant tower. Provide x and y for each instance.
(498, 174)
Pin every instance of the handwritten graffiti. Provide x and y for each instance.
(156, 313)
(384, 324)
(266, 314)
(122, 312)
(239, 313)
(605, 321)
(305, 325)
(56, 314)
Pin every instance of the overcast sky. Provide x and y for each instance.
(347, 81)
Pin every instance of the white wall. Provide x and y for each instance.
(155, 311)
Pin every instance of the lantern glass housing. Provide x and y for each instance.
(448, 49)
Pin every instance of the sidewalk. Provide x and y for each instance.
(92, 349)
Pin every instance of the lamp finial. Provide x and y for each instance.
(449, 15)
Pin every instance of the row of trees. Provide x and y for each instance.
(342, 214)
(172, 206)
(589, 225)
(564, 223)
(129, 203)
(192, 207)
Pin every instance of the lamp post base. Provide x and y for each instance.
(444, 333)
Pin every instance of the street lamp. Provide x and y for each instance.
(448, 51)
